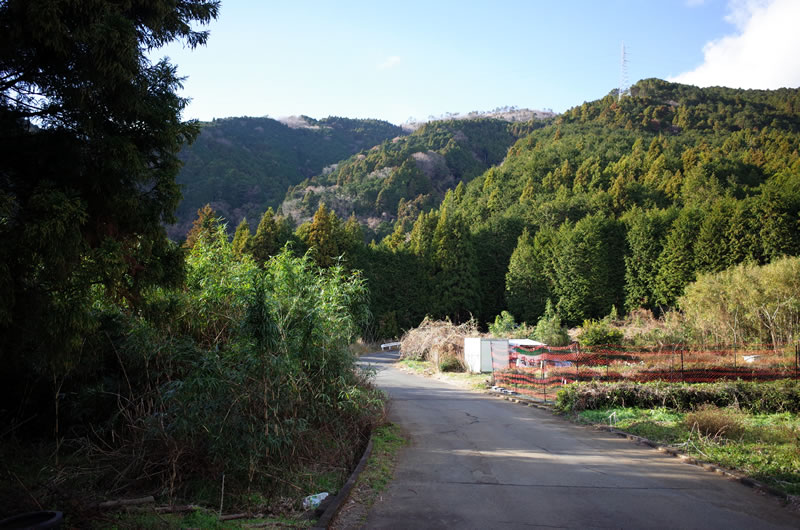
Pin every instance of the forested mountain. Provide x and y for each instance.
(407, 175)
(241, 166)
(617, 203)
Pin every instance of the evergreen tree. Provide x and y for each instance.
(528, 286)
(743, 233)
(712, 252)
(354, 234)
(241, 238)
(494, 241)
(675, 264)
(204, 226)
(421, 238)
(589, 268)
(645, 237)
(269, 238)
(455, 279)
(778, 209)
(91, 130)
(325, 236)
(353, 247)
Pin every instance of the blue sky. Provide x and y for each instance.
(396, 60)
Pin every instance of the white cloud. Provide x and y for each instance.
(389, 62)
(763, 52)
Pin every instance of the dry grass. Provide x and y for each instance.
(640, 326)
(714, 422)
(362, 347)
(438, 341)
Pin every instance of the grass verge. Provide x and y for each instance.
(373, 480)
(765, 447)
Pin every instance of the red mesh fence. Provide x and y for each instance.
(539, 371)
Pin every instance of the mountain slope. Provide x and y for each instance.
(624, 202)
(401, 177)
(241, 166)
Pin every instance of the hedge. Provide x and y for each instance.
(753, 396)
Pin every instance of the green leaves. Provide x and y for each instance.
(529, 277)
(746, 303)
(588, 267)
(90, 133)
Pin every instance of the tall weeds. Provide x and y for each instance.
(245, 372)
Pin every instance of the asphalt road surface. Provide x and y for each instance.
(475, 461)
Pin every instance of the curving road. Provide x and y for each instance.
(478, 462)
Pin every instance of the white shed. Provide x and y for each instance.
(478, 353)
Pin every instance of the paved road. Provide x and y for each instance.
(475, 461)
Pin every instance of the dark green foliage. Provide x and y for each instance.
(675, 264)
(589, 268)
(645, 237)
(623, 201)
(167, 373)
(528, 282)
(494, 241)
(399, 291)
(753, 396)
(89, 135)
(245, 165)
(258, 357)
(713, 250)
(273, 232)
(454, 272)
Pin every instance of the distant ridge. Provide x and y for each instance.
(510, 114)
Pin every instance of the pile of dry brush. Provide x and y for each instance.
(439, 341)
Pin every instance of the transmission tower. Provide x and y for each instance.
(623, 74)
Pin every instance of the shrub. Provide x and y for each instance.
(450, 363)
(747, 302)
(754, 396)
(710, 420)
(504, 325)
(549, 329)
(597, 332)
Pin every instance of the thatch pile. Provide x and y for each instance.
(439, 341)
